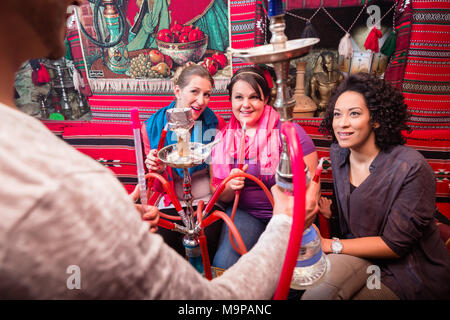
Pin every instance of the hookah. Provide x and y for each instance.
(185, 155)
(66, 109)
(118, 57)
(305, 266)
(290, 176)
(43, 112)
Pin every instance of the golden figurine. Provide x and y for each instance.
(325, 78)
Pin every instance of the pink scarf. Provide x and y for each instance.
(264, 147)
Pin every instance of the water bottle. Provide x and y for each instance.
(312, 264)
(193, 253)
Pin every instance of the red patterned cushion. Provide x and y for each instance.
(110, 144)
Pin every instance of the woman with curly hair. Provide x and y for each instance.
(385, 198)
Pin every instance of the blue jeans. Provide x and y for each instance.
(249, 227)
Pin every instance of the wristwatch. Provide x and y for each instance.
(336, 246)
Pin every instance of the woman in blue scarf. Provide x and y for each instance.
(193, 87)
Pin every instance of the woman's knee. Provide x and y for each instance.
(347, 275)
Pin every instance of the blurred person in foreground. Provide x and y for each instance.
(60, 208)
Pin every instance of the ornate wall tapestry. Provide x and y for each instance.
(135, 46)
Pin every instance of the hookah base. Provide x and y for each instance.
(307, 277)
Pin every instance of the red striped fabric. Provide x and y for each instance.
(116, 108)
(78, 60)
(426, 84)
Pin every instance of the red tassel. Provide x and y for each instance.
(43, 76)
(34, 77)
(372, 40)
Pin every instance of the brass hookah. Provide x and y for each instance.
(117, 52)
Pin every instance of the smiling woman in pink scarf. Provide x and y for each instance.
(249, 92)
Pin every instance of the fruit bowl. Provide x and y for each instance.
(184, 52)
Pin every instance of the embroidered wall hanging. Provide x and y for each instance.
(135, 46)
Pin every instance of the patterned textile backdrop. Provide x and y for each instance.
(426, 84)
(112, 99)
(136, 45)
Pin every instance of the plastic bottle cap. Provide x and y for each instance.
(275, 8)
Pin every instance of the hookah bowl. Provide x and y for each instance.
(179, 118)
(279, 52)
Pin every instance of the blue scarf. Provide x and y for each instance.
(155, 125)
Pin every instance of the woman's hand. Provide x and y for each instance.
(151, 215)
(283, 201)
(153, 163)
(324, 207)
(312, 202)
(135, 194)
(237, 183)
(325, 243)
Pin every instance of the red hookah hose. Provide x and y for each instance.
(151, 201)
(166, 216)
(166, 224)
(233, 214)
(167, 188)
(237, 192)
(203, 242)
(221, 187)
(210, 220)
(217, 215)
(222, 215)
(298, 223)
(219, 190)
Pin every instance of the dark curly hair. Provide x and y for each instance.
(386, 106)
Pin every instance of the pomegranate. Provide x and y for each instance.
(176, 36)
(183, 38)
(168, 61)
(220, 58)
(186, 29)
(210, 64)
(165, 35)
(162, 68)
(176, 27)
(196, 34)
(156, 56)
